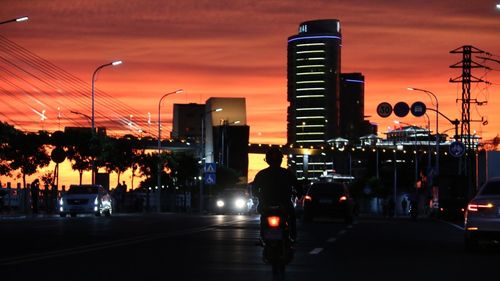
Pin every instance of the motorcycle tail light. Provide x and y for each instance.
(273, 221)
(308, 198)
(472, 207)
(343, 198)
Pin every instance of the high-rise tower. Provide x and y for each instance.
(314, 82)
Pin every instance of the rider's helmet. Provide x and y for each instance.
(274, 156)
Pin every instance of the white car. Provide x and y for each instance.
(482, 217)
(85, 199)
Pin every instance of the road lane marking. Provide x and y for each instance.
(316, 251)
(331, 240)
(112, 244)
(452, 224)
(342, 232)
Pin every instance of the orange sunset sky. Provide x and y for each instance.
(238, 48)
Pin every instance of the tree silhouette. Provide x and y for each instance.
(28, 153)
(7, 133)
(118, 154)
(79, 150)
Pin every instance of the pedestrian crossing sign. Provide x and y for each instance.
(210, 168)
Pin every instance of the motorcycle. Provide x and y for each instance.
(275, 232)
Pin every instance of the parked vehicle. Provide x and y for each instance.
(85, 199)
(482, 217)
(328, 199)
(235, 201)
(278, 251)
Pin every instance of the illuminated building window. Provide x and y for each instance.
(310, 126)
(311, 133)
(310, 44)
(304, 141)
(310, 108)
(310, 96)
(310, 52)
(310, 66)
(311, 117)
(311, 82)
(314, 58)
(311, 73)
(310, 89)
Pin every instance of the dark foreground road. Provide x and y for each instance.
(191, 247)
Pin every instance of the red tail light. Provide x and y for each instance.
(308, 198)
(273, 221)
(343, 198)
(473, 207)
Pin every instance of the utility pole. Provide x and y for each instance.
(467, 64)
(466, 79)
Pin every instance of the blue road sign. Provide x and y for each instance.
(401, 109)
(418, 109)
(210, 168)
(457, 149)
(209, 178)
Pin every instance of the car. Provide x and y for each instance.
(85, 199)
(482, 216)
(328, 199)
(234, 200)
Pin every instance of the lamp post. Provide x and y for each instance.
(93, 108)
(15, 20)
(159, 144)
(82, 114)
(203, 156)
(437, 124)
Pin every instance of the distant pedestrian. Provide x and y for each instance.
(404, 205)
(34, 195)
(124, 186)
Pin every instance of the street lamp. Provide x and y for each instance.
(82, 114)
(437, 124)
(93, 108)
(224, 152)
(15, 20)
(203, 156)
(159, 143)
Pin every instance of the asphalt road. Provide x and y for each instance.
(211, 247)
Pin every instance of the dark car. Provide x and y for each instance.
(328, 199)
(235, 201)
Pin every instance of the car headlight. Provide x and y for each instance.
(96, 201)
(220, 203)
(239, 203)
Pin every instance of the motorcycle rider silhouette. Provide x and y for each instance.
(275, 186)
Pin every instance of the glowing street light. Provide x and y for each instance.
(203, 156)
(93, 109)
(159, 142)
(15, 20)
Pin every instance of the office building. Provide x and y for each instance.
(313, 83)
(187, 122)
